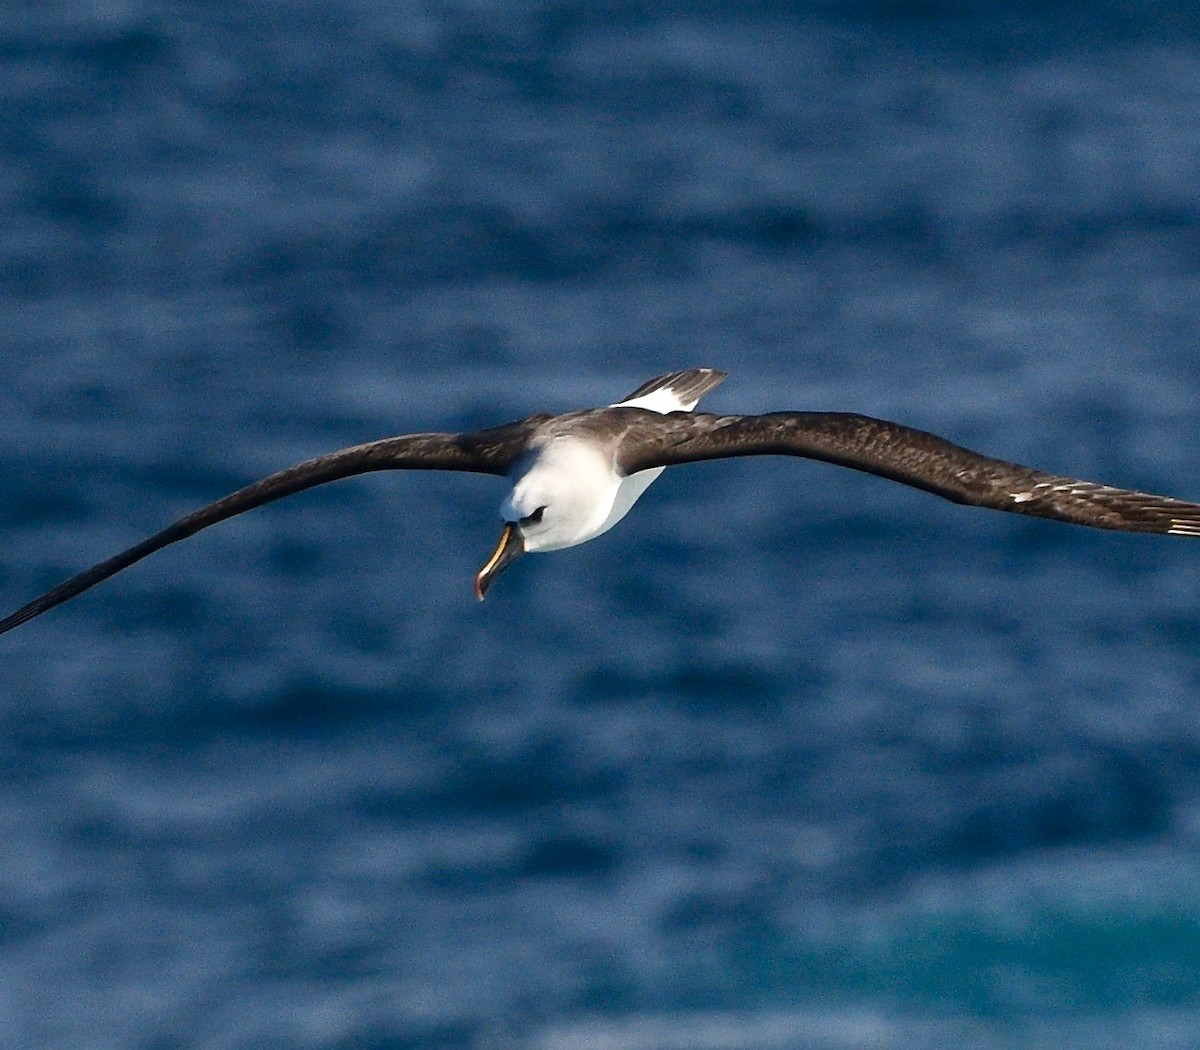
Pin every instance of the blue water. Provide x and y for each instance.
(793, 758)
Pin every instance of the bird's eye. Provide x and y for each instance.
(534, 518)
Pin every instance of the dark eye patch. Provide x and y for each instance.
(534, 518)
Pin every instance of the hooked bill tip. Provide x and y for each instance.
(510, 547)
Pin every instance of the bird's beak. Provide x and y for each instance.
(508, 550)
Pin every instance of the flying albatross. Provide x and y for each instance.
(576, 475)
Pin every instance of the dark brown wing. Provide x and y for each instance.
(483, 452)
(909, 456)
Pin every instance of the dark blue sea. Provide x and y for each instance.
(793, 757)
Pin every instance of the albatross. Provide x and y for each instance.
(574, 476)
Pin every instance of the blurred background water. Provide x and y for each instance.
(792, 758)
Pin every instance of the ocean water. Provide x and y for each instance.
(792, 758)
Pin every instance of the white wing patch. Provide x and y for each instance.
(663, 400)
(1038, 490)
(1073, 488)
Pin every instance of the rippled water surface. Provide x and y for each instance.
(793, 757)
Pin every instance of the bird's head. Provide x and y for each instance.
(564, 498)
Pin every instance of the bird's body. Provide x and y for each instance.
(573, 464)
(574, 476)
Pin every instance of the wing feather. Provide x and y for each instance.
(688, 386)
(909, 456)
(484, 452)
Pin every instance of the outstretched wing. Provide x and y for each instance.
(912, 457)
(483, 452)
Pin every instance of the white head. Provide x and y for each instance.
(561, 498)
(567, 490)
